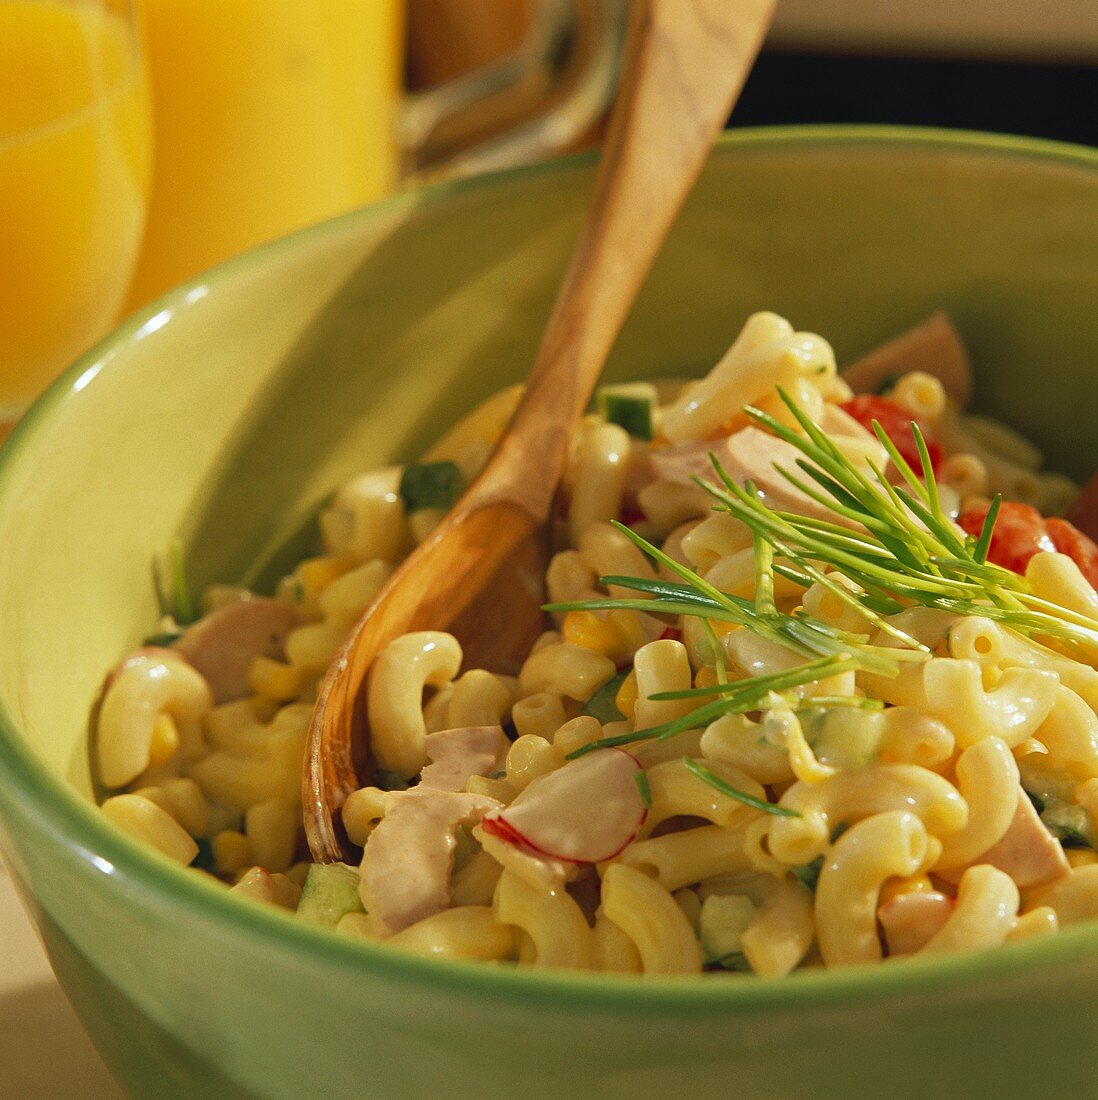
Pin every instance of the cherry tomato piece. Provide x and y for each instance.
(896, 422)
(1083, 514)
(1019, 533)
(1068, 539)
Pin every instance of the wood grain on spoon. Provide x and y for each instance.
(480, 573)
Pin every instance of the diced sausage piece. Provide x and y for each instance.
(910, 921)
(222, 645)
(837, 421)
(933, 346)
(1027, 851)
(457, 755)
(680, 463)
(752, 455)
(406, 864)
(1084, 512)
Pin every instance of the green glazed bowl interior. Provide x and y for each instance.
(226, 413)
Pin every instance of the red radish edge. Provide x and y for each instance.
(497, 825)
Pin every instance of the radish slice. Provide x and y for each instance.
(585, 812)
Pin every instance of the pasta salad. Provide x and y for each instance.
(818, 686)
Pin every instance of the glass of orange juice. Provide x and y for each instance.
(269, 115)
(74, 175)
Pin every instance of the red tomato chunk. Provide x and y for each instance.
(1068, 539)
(1020, 531)
(896, 422)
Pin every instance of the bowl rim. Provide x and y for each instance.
(75, 827)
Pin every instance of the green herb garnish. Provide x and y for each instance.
(718, 784)
(910, 552)
(430, 485)
(808, 874)
(737, 697)
(904, 551)
(163, 638)
(601, 705)
(171, 585)
(641, 780)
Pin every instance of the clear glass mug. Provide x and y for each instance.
(274, 114)
(74, 177)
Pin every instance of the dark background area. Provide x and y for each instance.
(1041, 100)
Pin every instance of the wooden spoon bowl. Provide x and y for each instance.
(480, 572)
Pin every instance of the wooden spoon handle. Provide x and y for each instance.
(686, 63)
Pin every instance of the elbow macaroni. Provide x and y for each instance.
(766, 837)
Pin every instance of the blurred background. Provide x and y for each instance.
(1003, 65)
(142, 141)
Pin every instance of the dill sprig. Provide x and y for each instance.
(803, 634)
(737, 697)
(906, 550)
(902, 551)
(701, 772)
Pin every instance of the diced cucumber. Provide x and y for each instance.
(723, 921)
(204, 858)
(630, 406)
(430, 485)
(390, 781)
(330, 892)
(1070, 824)
(601, 705)
(808, 874)
(843, 737)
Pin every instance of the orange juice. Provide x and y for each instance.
(73, 182)
(268, 115)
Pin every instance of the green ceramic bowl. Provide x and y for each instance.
(227, 412)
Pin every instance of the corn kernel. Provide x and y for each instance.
(629, 627)
(706, 677)
(626, 698)
(274, 679)
(315, 574)
(230, 851)
(585, 628)
(164, 743)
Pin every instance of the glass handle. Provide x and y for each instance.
(563, 74)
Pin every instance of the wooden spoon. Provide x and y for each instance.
(480, 573)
